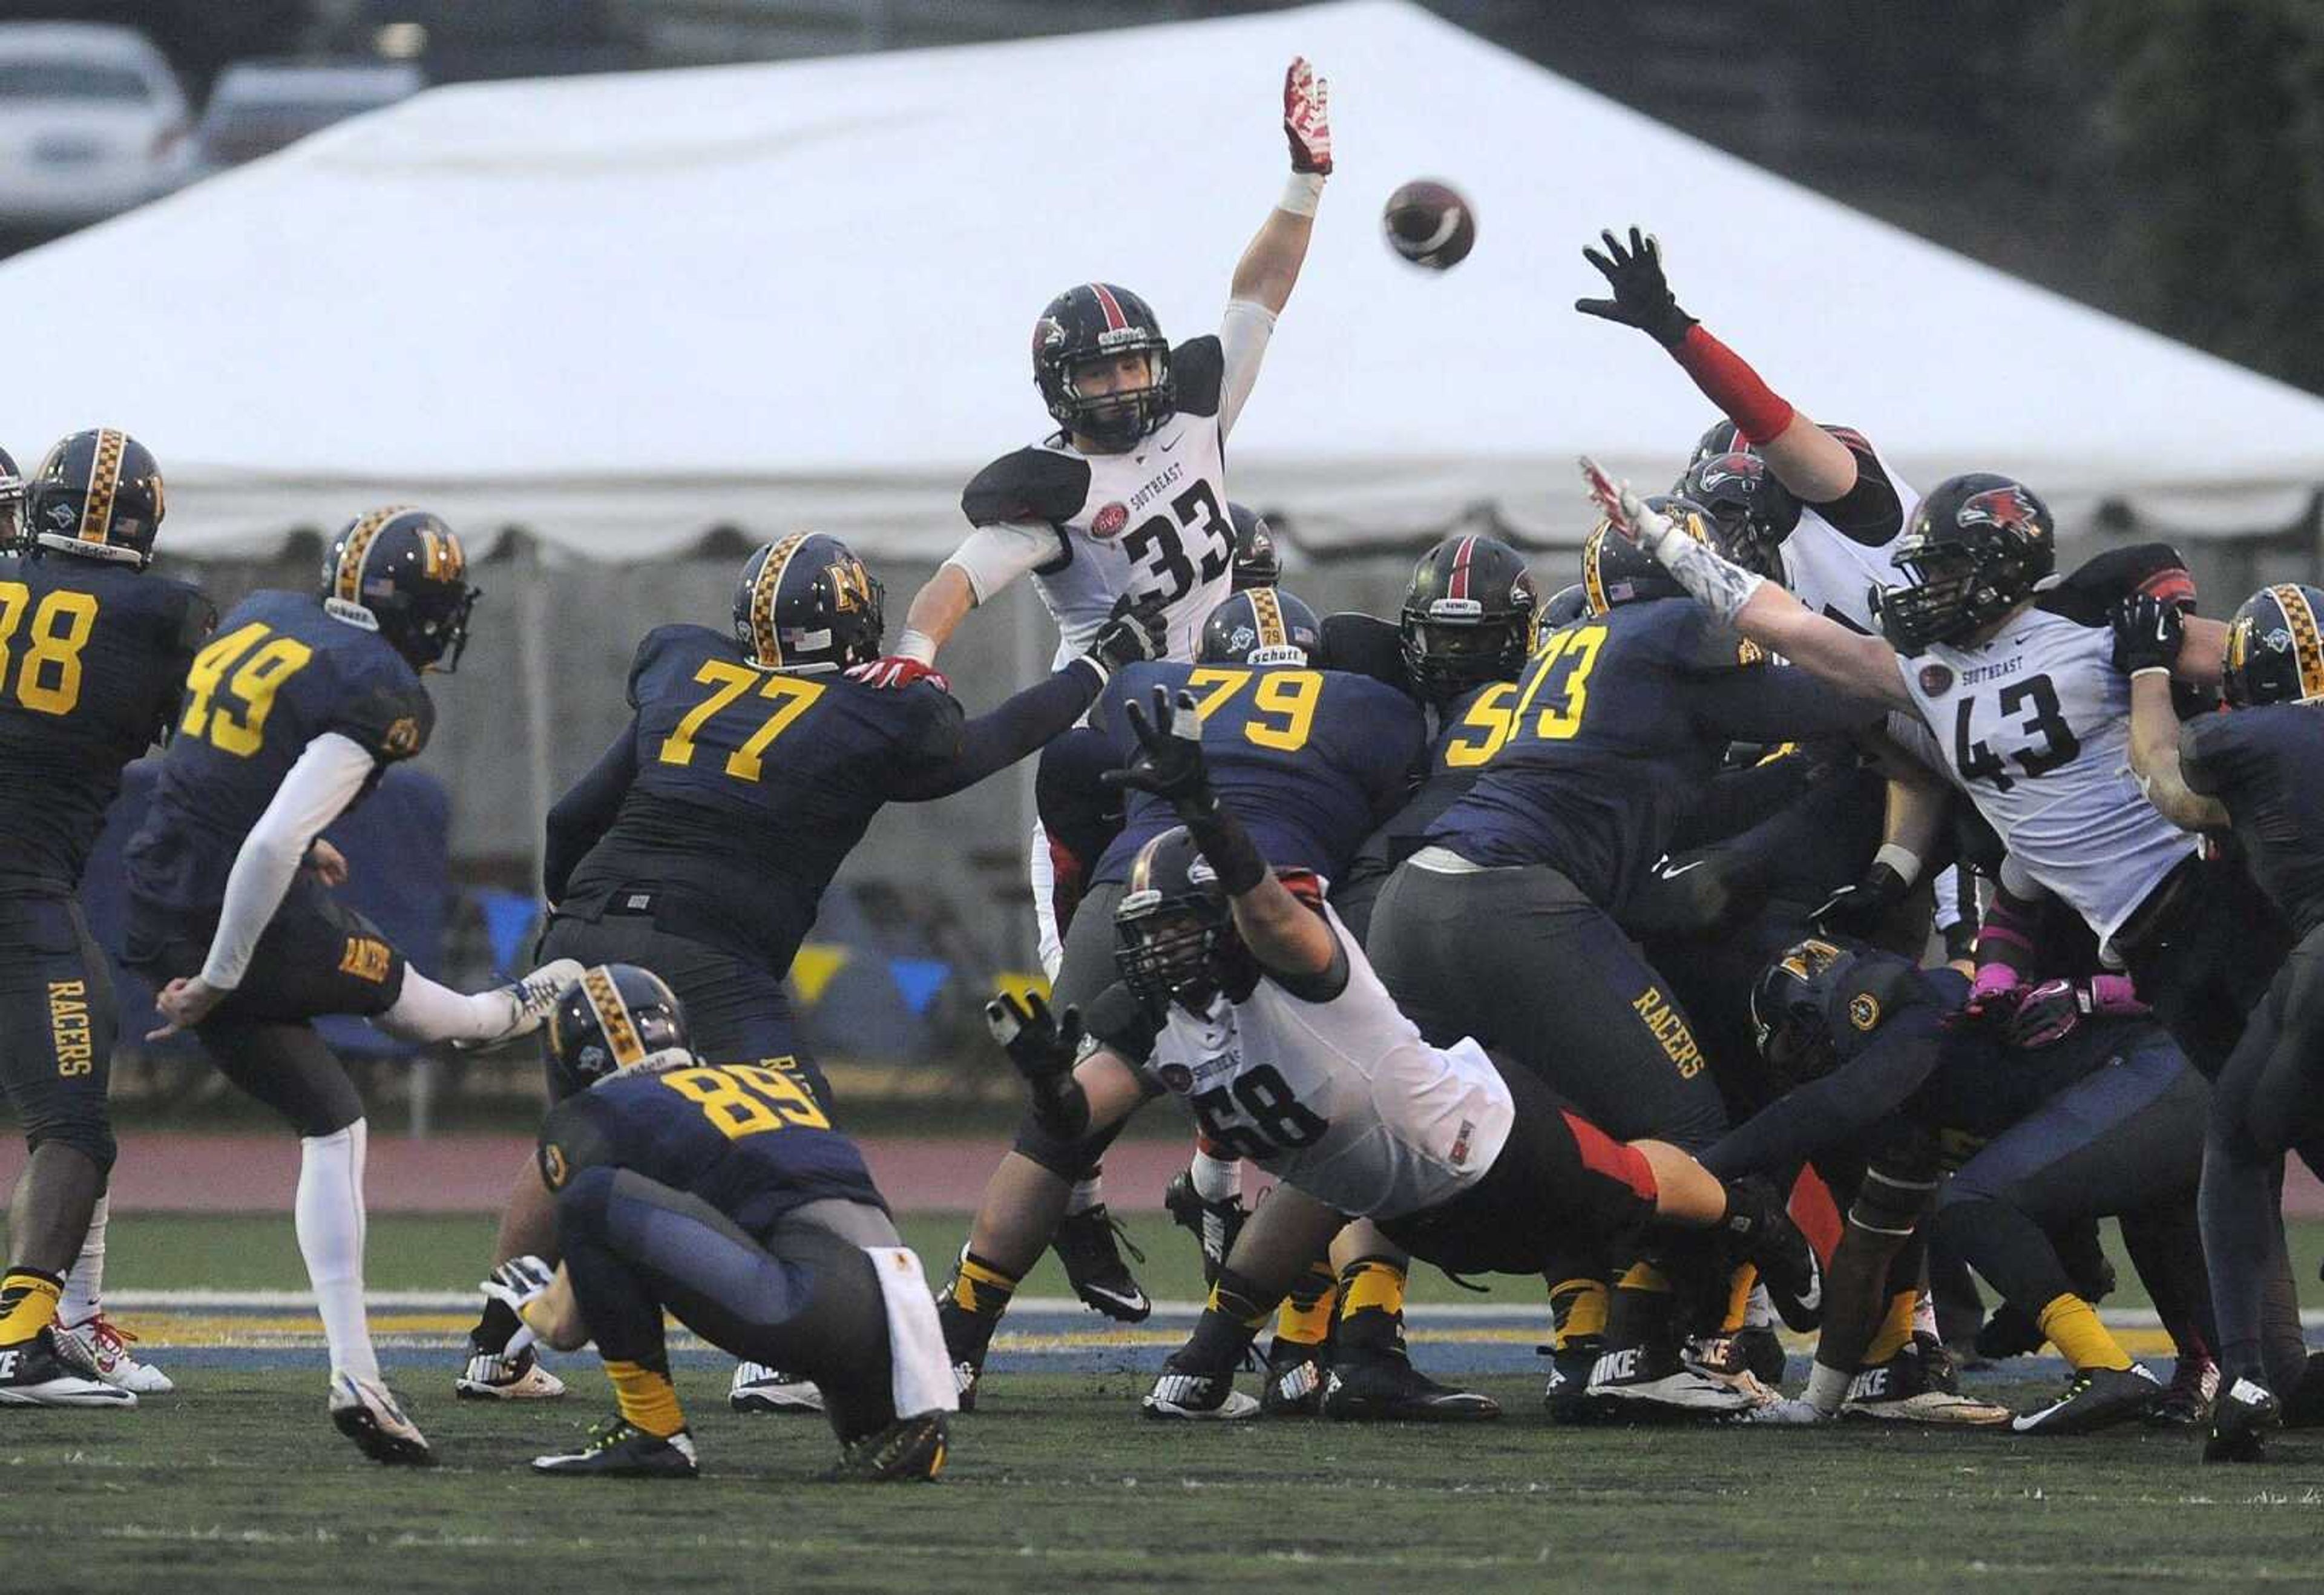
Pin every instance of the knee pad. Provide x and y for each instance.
(1069, 1160)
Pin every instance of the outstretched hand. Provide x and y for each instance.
(1169, 758)
(1041, 1045)
(1642, 296)
(1307, 117)
(1623, 509)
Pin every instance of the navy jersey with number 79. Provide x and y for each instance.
(1309, 760)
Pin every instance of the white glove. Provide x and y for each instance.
(518, 1281)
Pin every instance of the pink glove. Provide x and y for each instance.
(1307, 118)
(2054, 1009)
(1993, 996)
(897, 670)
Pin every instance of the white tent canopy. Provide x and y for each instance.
(618, 310)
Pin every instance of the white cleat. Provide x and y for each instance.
(49, 1370)
(758, 1387)
(530, 1001)
(366, 1413)
(1655, 1381)
(107, 1345)
(502, 1377)
(1202, 1397)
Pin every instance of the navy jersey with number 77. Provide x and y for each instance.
(1309, 760)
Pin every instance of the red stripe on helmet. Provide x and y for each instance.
(1114, 318)
(1458, 585)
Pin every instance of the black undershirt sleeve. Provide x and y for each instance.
(581, 817)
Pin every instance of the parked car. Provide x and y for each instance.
(260, 106)
(92, 121)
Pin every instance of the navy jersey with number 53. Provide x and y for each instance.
(1309, 760)
(749, 1139)
(91, 658)
(279, 674)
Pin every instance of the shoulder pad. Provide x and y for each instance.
(390, 721)
(1365, 645)
(2088, 595)
(664, 639)
(1118, 1019)
(1198, 368)
(1032, 484)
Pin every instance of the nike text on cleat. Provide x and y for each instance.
(1651, 1381)
(2243, 1415)
(38, 1372)
(2094, 1398)
(107, 1345)
(2186, 1402)
(909, 1451)
(1916, 1385)
(1198, 1396)
(1213, 1224)
(1089, 1243)
(621, 1450)
(366, 1413)
(966, 1377)
(502, 1377)
(1295, 1381)
(530, 1000)
(758, 1387)
(1387, 1388)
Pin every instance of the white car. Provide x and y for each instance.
(260, 106)
(92, 122)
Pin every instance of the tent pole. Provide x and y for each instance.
(532, 665)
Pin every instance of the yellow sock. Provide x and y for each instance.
(1577, 1310)
(979, 1287)
(1304, 1318)
(646, 1397)
(1643, 1276)
(1896, 1331)
(1740, 1285)
(1372, 1284)
(2073, 1327)
(28, 1303)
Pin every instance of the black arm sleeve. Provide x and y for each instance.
(1738, 799)
(1839, 1107)
(588, 807)
(1869, 513)
(992, 742)
(1773, 704)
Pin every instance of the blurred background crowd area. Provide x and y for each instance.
(2161, 160)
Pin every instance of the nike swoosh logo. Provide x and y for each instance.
(1174, 443)
(1667, 873)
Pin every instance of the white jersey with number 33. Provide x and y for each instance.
(2036, 727)
(1341, 1098)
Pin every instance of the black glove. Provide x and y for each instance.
(1042, 1045)
(1169, 758)
(1139, 630)
(2147, 634)
(1859, 909)
(1642, 298)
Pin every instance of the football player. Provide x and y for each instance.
(2082, 1108)
(1504, 925)
(288, 717)
(701, 842)
(721, 1193)
(1312, 760)
(1242, 995)
(2250, 771)
(93, 649)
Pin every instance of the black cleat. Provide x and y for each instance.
(1214, 1224)
(2186, 1403)
(2243, 1417)
(621, 1450)
(2094, 1398)
(47, 1370)
(1090, 1244)
(1387, 1388)
(909, 1451)
(1917, 1386)
(1567, 1394)
(1295, 1381)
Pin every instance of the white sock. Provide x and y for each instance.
(426, 1012)
(1085, 1195)
(329, 1214)
(84, 1295)
(1925, 1313)
(1758, 1312)
(1216, 1178)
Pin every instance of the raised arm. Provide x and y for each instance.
(1269, 267)
(2151, 639)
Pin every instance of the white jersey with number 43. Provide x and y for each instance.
(2035, 725)
(1341, 1098)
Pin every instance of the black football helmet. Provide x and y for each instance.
(12, 507)
(1256, 562)
(1262, 626)
(98, 495)
(1720, 437)
(1173, 937)
(1568, 605)
(1471, 613)
(1097, 321)
(615, 1017)
(1750, 512)
(1788, 1003)
(400, 572)
(2275, 647)
(1615, 571)
(1978, 545)
(808, 607)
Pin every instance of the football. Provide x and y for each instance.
(1430, 224)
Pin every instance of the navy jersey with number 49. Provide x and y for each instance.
(280, 673)
(91, 658)
(1309, 760)
(749, 1139)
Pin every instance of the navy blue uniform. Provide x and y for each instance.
(1468, 731)
(280, 673)
(91, 658)
(701, 844)
(2267, 765)
(1309, 760)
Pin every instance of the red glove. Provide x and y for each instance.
(898, 670)
(1307, 117)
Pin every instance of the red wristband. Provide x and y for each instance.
(1757, 411)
